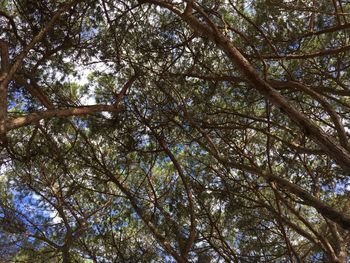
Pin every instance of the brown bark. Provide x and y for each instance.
(4, 53)
(37, 116)
(66, 255)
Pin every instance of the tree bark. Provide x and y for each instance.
(4, 53)
(66, 255)
(37, 116)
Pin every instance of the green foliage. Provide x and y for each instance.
(192, 161)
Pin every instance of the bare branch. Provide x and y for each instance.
(37, 116)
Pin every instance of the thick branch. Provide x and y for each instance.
(4, 53)
(37, 116)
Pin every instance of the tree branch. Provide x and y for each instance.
(5, 64)
(37, 116)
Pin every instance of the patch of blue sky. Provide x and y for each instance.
(81, 123)
(88, 33)
(18, 101)
(166, 258)
(248, 7)
(317, 257)
(294, 46)
(27, 211)
(340, 187)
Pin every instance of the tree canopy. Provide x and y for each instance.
(174, 131)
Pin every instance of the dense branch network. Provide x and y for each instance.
(188, 131)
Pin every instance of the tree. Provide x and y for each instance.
(188, 131)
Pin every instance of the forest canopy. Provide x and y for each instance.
(174, 131)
